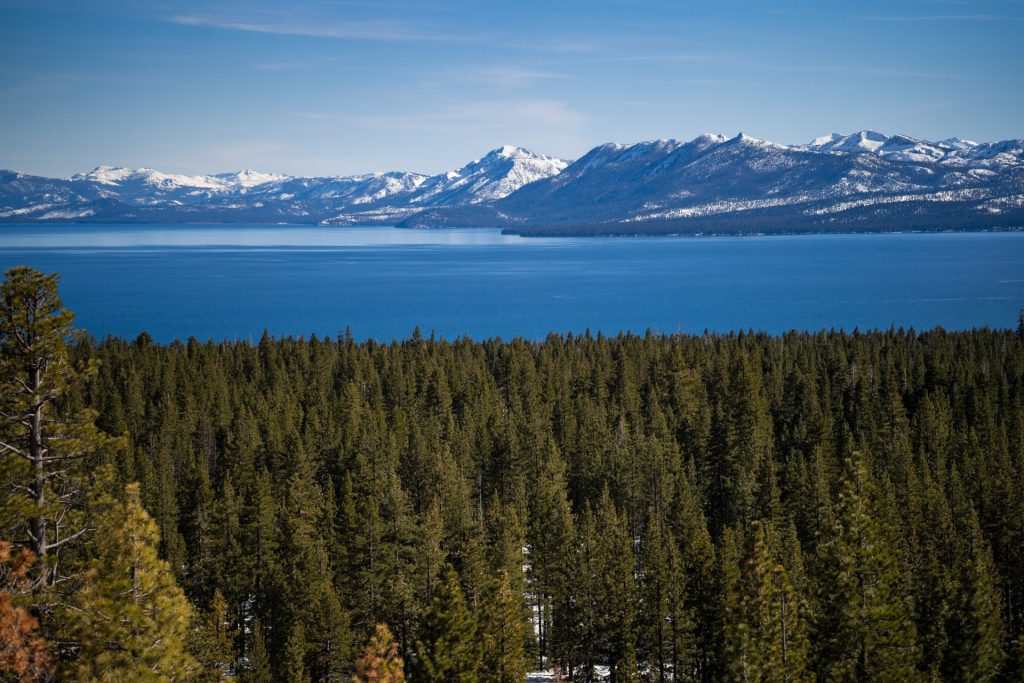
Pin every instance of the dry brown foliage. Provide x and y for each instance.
(23, 651)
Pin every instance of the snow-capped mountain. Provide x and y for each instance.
(123, 178)
(714, 184)
(109, 193)
(711, 184)
(954, 151)
(498, 174)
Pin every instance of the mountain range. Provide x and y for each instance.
(712, 184)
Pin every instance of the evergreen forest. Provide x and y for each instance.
(835, 506)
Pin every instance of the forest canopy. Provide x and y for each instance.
(827, 506)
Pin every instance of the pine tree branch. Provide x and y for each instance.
(60, 543)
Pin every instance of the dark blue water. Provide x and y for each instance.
(234, 282)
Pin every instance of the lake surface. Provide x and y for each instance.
(235, 281)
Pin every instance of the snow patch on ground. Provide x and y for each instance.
(601, 673)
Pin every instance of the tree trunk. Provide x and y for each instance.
(35, 454)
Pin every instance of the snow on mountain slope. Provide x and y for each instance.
(496, 175)
(145, 194)
(864, 141)
(952, 151)
(868, 180)
(126, 178)
(105, 175)
(248, 178)
(344, 190)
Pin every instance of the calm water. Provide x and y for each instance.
(232, 282)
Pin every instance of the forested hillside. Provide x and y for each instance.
(831, 506)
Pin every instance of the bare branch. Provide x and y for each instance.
(58, 544)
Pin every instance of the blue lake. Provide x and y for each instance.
(235, 281)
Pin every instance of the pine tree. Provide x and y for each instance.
(131, 620)
(506, 540)
(42, 448)
(741, 445)
(766, 633)
(309, 600)
(975, 629)
(212, 639)
(259, 667)
(293, 660)
(380, 662)
(615, 565)
(263, 537)
(584, 639)
(665, 624)
(932, 556)
(864, 630)
(430, 556)
(703, 583)
(331, 637)
(550, 537)
(232, 562)
(503, 632)
(449, 648)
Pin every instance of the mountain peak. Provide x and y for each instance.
(959, 143)
(105, 174)
(512, 151)
(826, 139)
(248, 178)
(861, 141)
(744, 139)
(709, 137)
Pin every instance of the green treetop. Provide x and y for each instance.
(766, 633)
(449, 648)
(131, 620)
(42, 448)
(864, 628)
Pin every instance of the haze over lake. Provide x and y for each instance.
(176, 281)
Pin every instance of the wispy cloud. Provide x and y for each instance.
(348, 30)
(490, 114)
(563, 45)
(699, 57)
(507, 112)
(298, 64)
(716, 81)
(378, 30)
(507, 76)
(944, 17)
(864, 71)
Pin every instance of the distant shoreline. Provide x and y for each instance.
(598, 231)
(538, 231)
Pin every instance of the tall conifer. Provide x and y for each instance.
(43, 447)
(864, 628)
(766, 632)
(550, 537)
(449, 648)
(503, 631)
(131, 621)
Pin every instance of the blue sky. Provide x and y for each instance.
(317, 87)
